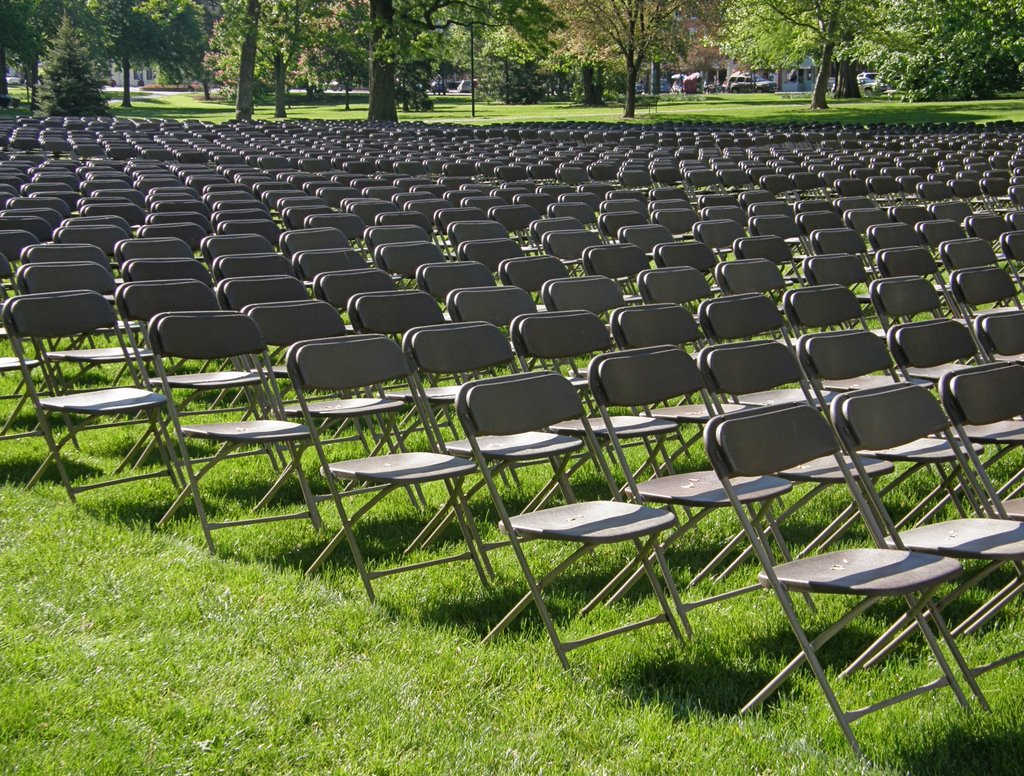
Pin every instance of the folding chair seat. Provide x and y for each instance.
(764, 441)
(221, 245)
(596, 293)
(392, 312)
(215, 337)
(555, 340)
(498, 416)
(236, 293)
(41, 321)
(439, 279)
(741, 317)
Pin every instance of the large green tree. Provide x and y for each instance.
(74, 83)
(774, 33)
(949, 49)
(634, 30)
(396, 28)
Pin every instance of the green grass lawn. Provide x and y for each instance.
(711, 108)
(129, 649)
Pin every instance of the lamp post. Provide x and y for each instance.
(472, 70)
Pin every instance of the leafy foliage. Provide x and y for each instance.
(949, 49)
(74, 86)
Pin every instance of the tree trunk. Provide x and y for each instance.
(34, 82)
(656, 78)
(206, 89)
(382, 105)
(3, 70)
(280, 90)
(632, 69)
(126, 74)
(247, 63)
(347, 105)
(846, 80)
(591, 92)
(819, 99)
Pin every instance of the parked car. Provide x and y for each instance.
(764, 85)
(740, 83)
(465, 87)
(870, 84)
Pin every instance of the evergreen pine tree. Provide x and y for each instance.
(74, 84)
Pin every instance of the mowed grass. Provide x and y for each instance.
(129, 649)
(709, 108)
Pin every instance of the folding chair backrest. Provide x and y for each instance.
(39, 277)
(905, 262)
(981, 286)
(967, 253)
(57, 314)
(392, 312)
(595, 293)
(405, 258)
(439, 279)
(739, 317)
(285, 323)
(882, 418)
(843, 355)
(345, 363)
(76, 252)
(489, 252)
(497, 305)
(758, 442)
(842, 269)
(14, 241)
(453, 348)
(291, 242)
(152, 248)
(770, 247)
(650, 375)
(981, 395)
(749, 276)
(615, 261)
(924, 344)
(204, 335)
(903, 297)
(236, 293)
(237, 265)
(165, 269)
(559, 334)
(141, 300)
(1001, 333)
(749, 367)
(818, 307)
(310, 263)
(530, 272)
(653, 324)
(223, 244)
(693, 254)
(679, 285)
(337, 288)
(517, 404)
